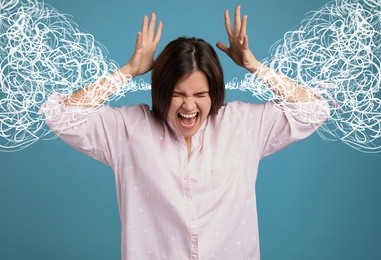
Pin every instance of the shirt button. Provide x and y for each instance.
(185, 177)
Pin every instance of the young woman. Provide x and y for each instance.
(185, 171)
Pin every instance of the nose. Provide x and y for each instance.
(189, 103)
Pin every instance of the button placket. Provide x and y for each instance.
(190, 205)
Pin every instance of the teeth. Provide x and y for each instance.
(188, 115)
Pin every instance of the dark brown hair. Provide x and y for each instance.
(181, 57)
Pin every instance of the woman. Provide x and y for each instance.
(185, 171)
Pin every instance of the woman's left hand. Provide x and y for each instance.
(239, 50)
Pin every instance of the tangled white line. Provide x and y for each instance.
(43, 51)
(339, 48)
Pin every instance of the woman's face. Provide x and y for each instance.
(190, 103)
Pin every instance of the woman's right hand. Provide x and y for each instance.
(146, 42)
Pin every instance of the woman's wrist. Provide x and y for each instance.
(254, 66)
(127, 71)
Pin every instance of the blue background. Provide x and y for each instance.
(316, 199)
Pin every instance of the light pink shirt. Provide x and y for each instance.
(172, 206)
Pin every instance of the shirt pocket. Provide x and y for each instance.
(229, 179)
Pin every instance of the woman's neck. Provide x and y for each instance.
(188, 142)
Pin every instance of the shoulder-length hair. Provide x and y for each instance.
(179, 58)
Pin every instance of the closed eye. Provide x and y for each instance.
(177, 94)
(197, 95)
(202, 94)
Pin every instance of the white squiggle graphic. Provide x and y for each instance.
(43, 51)
(336, 50)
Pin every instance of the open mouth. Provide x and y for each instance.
(187, 120)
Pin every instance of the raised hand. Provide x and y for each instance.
(239, 50)
(146, 42)
(141, 62)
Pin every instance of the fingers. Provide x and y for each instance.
(228, 25)
(239, 25)
(148, 30)
(144, 24)
(157, 37)
(242, 32)
(139, 40)
(245, 43)
(222, 47)
(237, 19)
(151, 28)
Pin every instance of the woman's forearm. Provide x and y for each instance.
(98, 92)
(281, 85)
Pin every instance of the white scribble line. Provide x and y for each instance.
(339, 45)
(335, 52)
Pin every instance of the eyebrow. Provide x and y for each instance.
(197, 93)
(202, 92)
